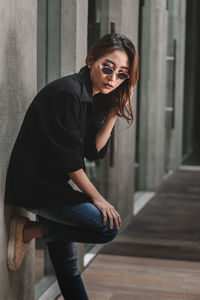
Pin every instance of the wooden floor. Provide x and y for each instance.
(157, 257)
(168, 226)
(131, 278)
(112, 277)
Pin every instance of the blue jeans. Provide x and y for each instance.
(62, 227)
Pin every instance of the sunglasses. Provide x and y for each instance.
(107, 70)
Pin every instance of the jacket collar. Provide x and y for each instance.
(84, 74)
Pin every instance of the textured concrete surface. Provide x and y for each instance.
(177, 24)
(73, 35)
(18, 85)
(157, 20)
(121, 176)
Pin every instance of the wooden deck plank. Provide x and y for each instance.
(168, 226)
(142, 278)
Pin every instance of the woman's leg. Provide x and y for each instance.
(81, 222)
(64, 259)
(61, 227)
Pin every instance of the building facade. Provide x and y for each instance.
(47, 39)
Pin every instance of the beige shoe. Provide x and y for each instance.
(16, 247)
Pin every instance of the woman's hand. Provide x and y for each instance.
(107, 210)
(82, 181)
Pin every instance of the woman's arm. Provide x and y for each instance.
(83, 182)
(104, 132)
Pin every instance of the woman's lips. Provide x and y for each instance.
(108, 86)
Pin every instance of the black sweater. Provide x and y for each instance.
(58, 131)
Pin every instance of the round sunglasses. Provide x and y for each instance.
(107, 70)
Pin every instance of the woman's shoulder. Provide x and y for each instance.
(69, 83)
(77, 85)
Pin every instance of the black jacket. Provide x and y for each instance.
(58, 131)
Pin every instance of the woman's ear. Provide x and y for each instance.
(90, 63)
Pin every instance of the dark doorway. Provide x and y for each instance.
(191, 123)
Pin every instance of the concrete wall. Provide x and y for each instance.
(153, 93)
(125, 14)
(160, 144)
(177, 19)
(74, 16)
(18, 86)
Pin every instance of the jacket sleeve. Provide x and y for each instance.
(62, 132)
(90, 150)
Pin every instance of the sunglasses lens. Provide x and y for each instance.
(122, 76)
(107, 70)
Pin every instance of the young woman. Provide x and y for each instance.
(69, 119)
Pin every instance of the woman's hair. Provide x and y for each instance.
(120, 98)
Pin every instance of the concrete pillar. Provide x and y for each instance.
(156, 93)
(152, 93)
(74, 20)
(74, 16)
(124, 14)
(177, 20)
(18, 22)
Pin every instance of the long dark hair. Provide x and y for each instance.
(120, 98)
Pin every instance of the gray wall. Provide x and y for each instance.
(18, 85)
(177, 20)
(153, 93)
(121, 176)
(74, 16)
(155, 141)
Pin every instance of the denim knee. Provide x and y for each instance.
(108, 234)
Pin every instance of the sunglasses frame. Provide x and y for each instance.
(112, 71)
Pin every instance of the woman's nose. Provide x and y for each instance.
(112, 76)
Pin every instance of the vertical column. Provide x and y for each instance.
(41, 43)
(74, 16)
(152, 93)
(53, 40)
(74, 20)
(177, 22)
(125, 15)
(156, 93)
(18, 43)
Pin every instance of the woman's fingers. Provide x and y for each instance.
(110, 212)
(104, 216)
(110, 219)
(114, 216)
(119, 219)
(116, 221)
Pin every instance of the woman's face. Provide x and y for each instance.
(106, 83)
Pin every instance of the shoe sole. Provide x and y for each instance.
(11, 244)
